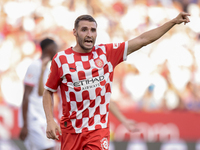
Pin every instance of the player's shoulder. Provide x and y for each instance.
(99, 48)
(35, 63)
(109, 45)
(103, 48)
(62, 53)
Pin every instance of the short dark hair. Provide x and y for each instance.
(44, 43)
(83, 17)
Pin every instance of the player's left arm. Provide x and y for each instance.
(154, 34)
(130, 124)
(25, 103)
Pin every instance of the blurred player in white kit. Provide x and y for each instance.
(32, 120)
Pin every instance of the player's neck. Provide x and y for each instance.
(78, 49)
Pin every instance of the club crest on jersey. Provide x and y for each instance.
(104, 144)
(99, 63)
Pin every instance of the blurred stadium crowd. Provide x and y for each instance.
(160, 77)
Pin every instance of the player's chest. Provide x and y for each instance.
(87, 67)
(88, 71)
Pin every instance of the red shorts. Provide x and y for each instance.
(91, 140)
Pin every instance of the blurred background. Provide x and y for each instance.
(158, 86)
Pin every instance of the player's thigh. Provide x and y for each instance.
(98, 140)
(98, 145)
(29, 144)
(72, 141)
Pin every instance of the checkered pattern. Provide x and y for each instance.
(85, 80)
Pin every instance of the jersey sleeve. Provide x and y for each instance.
(31, 76)
(53, 79)
(116, 52)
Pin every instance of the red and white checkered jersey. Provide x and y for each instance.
(85, 81)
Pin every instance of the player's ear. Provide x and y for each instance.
(74, 32)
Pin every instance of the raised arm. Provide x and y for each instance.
(154, 34)
(52, 126)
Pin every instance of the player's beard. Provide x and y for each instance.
(81, 41)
